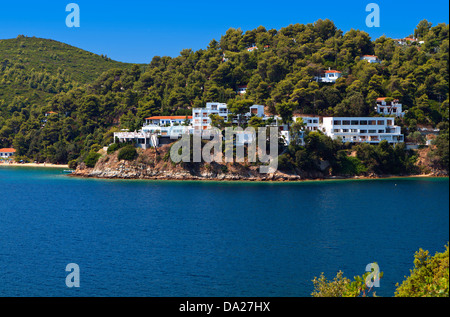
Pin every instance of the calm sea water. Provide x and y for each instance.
(149, 238)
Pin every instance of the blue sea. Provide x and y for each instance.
(172, 239)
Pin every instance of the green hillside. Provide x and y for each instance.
(280, 74)
(35, 68)
(51, 56)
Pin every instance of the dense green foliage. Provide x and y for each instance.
(440, 154)
(38, 76)
(320, 152)
(92, 159)
(429, 277)
(342, 286)
(127, 153)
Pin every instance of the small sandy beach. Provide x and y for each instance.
(43, 165)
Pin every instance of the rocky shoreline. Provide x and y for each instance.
(148, 167)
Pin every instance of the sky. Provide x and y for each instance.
(134, 31)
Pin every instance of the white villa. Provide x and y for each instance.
(362, 129)
(168, 120)
(200, 116)
(371, 58)
(329, 76)
(408, 40)
(286, 136)
(312, 123)
(256, 110)
(7, 153)
(389, 108)
(165, 129)
(241, 90)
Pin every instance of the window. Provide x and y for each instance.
(346, 122)
(372, 131)
(363, 131)
(355, 122)
(380, 122)
(372, 122)
(336, 130)
(363, 122)
(345, 130)
(389, 122)
(337, 122)
(354, 130)
(380, 131)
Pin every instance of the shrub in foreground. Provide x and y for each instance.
(127, 153)
(92, 159)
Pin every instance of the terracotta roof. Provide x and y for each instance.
(384, 98)
(7, 150)
(168, 117)
(332, 71)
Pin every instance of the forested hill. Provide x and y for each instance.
(51, 56)
(279, 74)
(37, 68)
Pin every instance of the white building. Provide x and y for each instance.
(241, 90)
(389, 108)
(312, 123)
(286, 136)
(256, 110)
(168, 120)
(371, 58)
(251, 49)
(200, 116)
(140, 139)
(7, 153)
(245, 138)
(362, 129)
(406, 41)
(329, 76)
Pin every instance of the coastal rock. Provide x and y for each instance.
(150, 165)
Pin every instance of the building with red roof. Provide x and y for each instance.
(7, 152)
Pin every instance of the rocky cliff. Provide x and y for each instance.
(156, 164)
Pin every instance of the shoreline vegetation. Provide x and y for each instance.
(154, 164)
